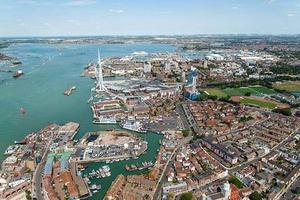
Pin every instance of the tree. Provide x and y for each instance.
(171, 196)
(185, 133)
(255, 196)
(284, 111)
(248, 94)
(297, 190)
(236, 182)
(28, 195)
(187, 196)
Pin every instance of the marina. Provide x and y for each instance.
(142, 166)
(102, 172)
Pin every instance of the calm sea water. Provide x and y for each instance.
(49, 70)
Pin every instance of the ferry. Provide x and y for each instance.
(18, 73)
(69, 91)
(139, 53)
(133, 125)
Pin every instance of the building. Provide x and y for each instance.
(98, 73)
(205, 64)
(235, 194)
(175, 188)
(147, 67)
(167, 67)
(191, 86)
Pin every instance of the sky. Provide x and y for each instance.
(147, 17)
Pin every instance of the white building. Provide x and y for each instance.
(147, 67)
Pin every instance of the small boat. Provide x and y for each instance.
(18, 73)
(17, 62)
(90, 99)
(22, 110)
(98, 187)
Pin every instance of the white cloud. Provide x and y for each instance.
(74, 22)
(291, 14)
(270, 1)
(165, 12)
(235, 8)
(22, 24)
(33, 2)
(116, 11)
(80, 2)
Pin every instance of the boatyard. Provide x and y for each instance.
(110, 145)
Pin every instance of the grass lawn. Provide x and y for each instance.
(233, 92)
(262, 89)
(240, 91)
(245, 90)
(215, 92)
(259, 103)
(290, 86)
(236, 182)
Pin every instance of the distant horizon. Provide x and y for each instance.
(36, 18)
(154, 35)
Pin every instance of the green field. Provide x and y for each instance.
(233, 92)
(236, 182)
(262, 89)
(242, 91)
(290, 86)
(259, 103)
(215, 92)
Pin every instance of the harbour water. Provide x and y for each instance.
(50, 69)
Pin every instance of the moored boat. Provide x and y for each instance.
(18, 73)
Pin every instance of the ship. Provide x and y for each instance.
(69, 91)
(139, 53)
(133, 125)
(18, 73)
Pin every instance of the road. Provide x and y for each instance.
(37, 175)
(162, 178)
(289, 193)
(281, 144)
